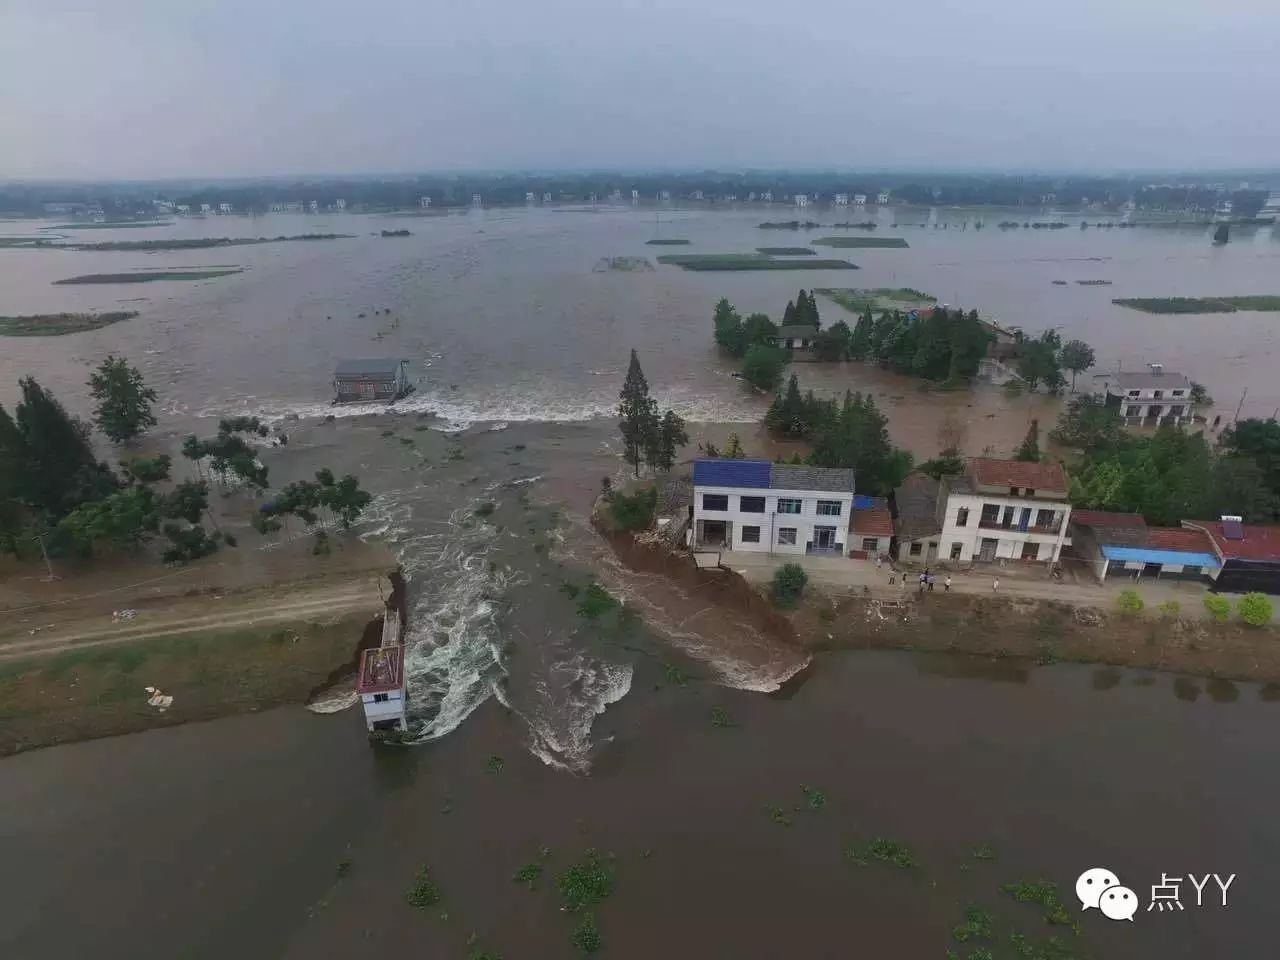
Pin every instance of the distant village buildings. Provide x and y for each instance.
(206, 208)
(882, 197)
(842, 200)
(801, 200)
(424, 202)
(339, 204)
(859, 199)
(224, 208)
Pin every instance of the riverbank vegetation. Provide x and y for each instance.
(647, 436)
(749, 261)
(60, 324)
(861, 242)
(786, 251)
(146, 276)
(1266, 302)
(667, 242)
(789, 225)
(1172, 474)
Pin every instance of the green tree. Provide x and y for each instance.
(1254, 609)
(1089, 424)
(147, 469)
(946, 464)
(1219, 607)
(733, 449)
(122, 519)
(123, 398)
(187, 501)
(786, 414)
(188, 543)
(56, 469)
(729, 332)
(932, 359)
(758, 328)
(861, 338)
(1199, 395)
(345, 498)
(858, 437)
(637, 415)
(833, 343)
(788, 584)
(671, 436)
(762, 366)
(1076, 356)
(1039, 362)
(1129, 603)
(1029, 450)
(1259, 441)
(1222, 234)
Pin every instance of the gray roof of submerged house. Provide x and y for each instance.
(916, 501)
(1145, 379)
(377, 367)
(793, 330)
(763, 475)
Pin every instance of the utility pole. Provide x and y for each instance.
(39, 538)
(1240, 405)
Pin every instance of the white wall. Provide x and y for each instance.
(1010, 541)
(770, 521)
(390, 709)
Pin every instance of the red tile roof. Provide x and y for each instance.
(1259, 543)
(381, 670)
(873, 522)
(1105, 518)
(1018, 473)
(1178, 538)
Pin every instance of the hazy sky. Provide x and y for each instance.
(158, 88)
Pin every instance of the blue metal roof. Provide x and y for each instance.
(731, 473)
(862, 502)
(1160, 556)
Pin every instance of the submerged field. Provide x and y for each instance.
(749, 261)
(667, 242)
(856, 300)
(200, 243)
(1200, 304)
(861, 242)
(146, 276)
(114, 225)
(57, 324)
(786, 251)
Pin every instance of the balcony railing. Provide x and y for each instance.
(1051, 529)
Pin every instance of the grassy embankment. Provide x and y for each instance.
(57, 324)
(1200, 304)
(200, 243)
(749, 261)
(97, 691)
(667, 242)
(861, 242)
(146, 276)
(857, 300)
(786, 251)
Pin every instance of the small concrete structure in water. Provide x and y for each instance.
(381, 682)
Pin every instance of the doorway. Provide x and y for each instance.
(987, 550)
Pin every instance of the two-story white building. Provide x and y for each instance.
(771, 507)
(1148, 398)
(995, 510)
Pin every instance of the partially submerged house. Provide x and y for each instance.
(385, 379)
(381, 687)
(796, 337)
(1148, 398)
(1116, 545)
(771, 507)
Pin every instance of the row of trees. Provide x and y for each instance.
(1171, 475)
(647, 436)
(853, 433)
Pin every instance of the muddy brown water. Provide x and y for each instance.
(224, 838)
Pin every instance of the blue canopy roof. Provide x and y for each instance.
(731, 473)
(1146, 555)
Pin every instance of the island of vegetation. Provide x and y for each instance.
(624, 264)
(1200, 304)
(667, 242)
(146, 276)
(856, 225)
(396, 233)
(856, 300)
(57, 324)
(750, 261)
(198, 243)
(112, 225)
(789, 225)
(856, 242)
(786, 251)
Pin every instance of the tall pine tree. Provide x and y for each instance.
(637, 417)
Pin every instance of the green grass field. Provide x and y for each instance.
(857, 300)
(749, 261)
(861, 242)
(57, 324)
(1200, 304)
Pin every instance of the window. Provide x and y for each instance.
(915, 549)
(828, 508)
(871, 544)
(750, 534)
(786, 505)
(1029, 492)
(1013, 491)
(380, 698)
(1133, 411)
(751, 504)
(991, 513)
(1176, 410)
(1045, 518)
(956, 549)
(715, 501)
(1157, 394)
(1133, 393)
(787, 535)
(1177, 393)
(962, 517)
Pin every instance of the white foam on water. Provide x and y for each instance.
(335, 700)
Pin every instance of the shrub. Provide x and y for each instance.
(1254, 609)
(634, 511)
(424, 892)
(1129, 603)
(1219, 607)
(1170, 608)
(586, 935)
(586, 883)
(788, 583)
(762, 366)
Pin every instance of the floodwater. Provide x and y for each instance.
(223, 839)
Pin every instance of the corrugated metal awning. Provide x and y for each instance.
(1160, 556)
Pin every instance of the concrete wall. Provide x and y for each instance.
(771, 521)
(1009, 541)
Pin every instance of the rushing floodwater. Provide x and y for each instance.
(222, 839)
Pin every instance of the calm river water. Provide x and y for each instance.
(223, 839)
